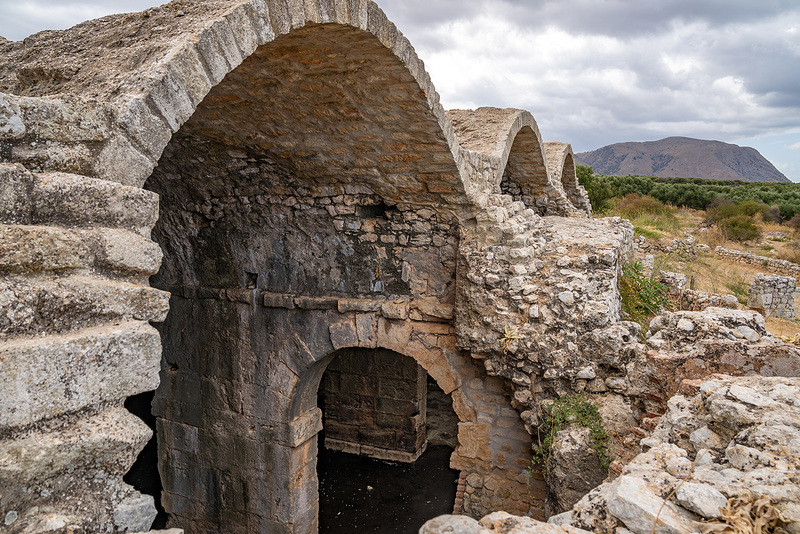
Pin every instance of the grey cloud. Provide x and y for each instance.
(636, 17)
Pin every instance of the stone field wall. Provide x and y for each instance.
(684, 298)
(773, 295)
(775, 265)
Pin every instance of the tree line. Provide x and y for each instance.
(694, 193)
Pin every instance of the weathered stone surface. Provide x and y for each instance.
(135, 513)
(701, 499)
(452, 524)
(45, 304)
(573, 469)
(45, 377)
(640, 509)
(11, 124)
(500, 522)
(759, 418)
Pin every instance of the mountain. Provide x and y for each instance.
(682, 157)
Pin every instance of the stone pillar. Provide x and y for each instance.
(375, 404)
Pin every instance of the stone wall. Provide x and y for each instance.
(75, 340)
(773, 295)
(684, 298)
(313, 197)
(375, 405)
(775, 265)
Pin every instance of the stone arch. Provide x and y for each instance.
(360, 76)
(506, 153)
(561, 162)
(284, 158)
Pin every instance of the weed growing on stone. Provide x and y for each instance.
(642, 296)
(510, 334)
(563, 412)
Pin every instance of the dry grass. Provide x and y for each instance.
(711, 274)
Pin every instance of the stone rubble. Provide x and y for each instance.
(736, 438)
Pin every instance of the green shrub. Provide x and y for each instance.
(642, 297)
(638, 230)
(634, 205)
(739, 228)
(565, 411)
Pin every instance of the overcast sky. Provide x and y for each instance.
(592, 72)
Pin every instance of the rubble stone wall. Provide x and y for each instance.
(773, 295)
(684, 298)
(775, 265)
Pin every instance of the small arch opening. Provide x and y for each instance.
(384, 452)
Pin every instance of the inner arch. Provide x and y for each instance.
(525, 175)
(332, 105)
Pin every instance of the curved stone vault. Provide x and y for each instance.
(306, 193)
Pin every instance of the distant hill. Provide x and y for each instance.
(682, 157)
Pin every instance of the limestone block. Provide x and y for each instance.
(119, 161)
(65, 119)
(45, 377)
(135, 513)
(637, 506)
(343, 334)
(126, 251)
(139, 122)
(54, 460)
(573, 469)
(16, 185)
(54, 156)
(701, 499)
(242, 29)
(35, 305)
(506, 523)
(11, 124)
(452, 524)
(40, 248)
(74, 200)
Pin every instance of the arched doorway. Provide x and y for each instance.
(385, 447)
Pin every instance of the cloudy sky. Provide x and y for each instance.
(592, 72)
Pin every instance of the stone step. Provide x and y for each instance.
(60, 199)
(50, 248)
(55, 457)
(38, 305)
(46, 377)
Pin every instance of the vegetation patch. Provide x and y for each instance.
(563, 412)
(642, 296)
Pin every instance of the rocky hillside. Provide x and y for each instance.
(683, 157)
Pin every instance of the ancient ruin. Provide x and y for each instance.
(276, 188)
